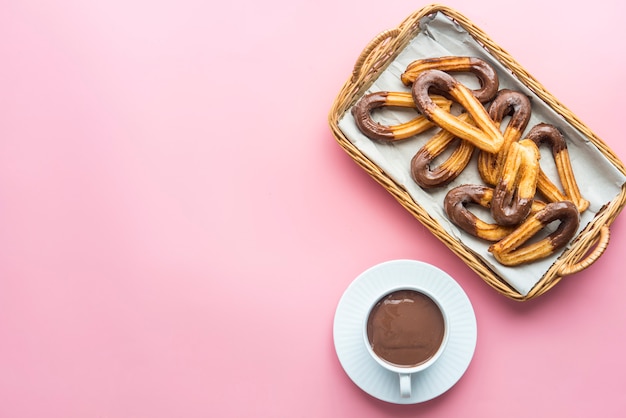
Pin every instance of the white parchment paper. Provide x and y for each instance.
(599, 181)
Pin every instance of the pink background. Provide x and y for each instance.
(177, 222)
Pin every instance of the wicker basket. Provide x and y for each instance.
(585, 248)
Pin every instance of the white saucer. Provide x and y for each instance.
(368, 287)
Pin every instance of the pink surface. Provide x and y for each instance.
(177, 223)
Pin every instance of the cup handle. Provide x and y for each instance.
(405, 385)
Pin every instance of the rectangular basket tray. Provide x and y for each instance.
(437, 31)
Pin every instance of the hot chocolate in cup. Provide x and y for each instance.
(406, 331)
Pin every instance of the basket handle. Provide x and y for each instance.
(601, 242)
(370, 48)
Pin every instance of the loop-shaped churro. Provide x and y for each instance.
(514, 193)
(485, 134)
(427, 176)
(362, 113)
(549, 134)
(511, 251)
(506, 103)
(456, 205)
(485, 73)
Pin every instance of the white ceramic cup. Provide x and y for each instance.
(405, 373)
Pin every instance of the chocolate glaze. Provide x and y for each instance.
(363, 117)
(506, 103)
(511, 103)
(568, 214)
(456, 201)
(485, 73)
(508, 208)
(432, 79)
(429, 177)
(405, 328)
(548, 134)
